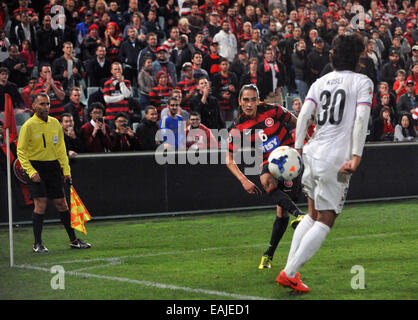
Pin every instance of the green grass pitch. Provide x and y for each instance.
(215, 256)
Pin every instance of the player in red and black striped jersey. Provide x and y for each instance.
(53, 89)
(116, 93)
(265, 127)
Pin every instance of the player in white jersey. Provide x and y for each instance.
(341, 102)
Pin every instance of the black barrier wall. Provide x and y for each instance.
(133, 183)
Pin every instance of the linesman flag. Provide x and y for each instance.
(79, 213)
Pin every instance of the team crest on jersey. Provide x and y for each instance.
(288, 183)
(269, 122)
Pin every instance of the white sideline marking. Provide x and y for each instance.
(148, 283)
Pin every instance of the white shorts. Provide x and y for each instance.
(323, 183)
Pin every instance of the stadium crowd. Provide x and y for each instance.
(117, 71)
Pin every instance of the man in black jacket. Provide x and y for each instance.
(147, 130)
(98, 69)
(67, 69)
(128, 55)
(389, 69)
(50, 40)
(207, 106)
(317, 59)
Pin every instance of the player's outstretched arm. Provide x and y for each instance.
(249, 186)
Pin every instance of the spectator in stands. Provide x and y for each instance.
(152, 25)
(187, 86)
(414, 74)
(389, 69)
(146, 132)
(4, 46)
(245, 35)
(115, 15)
(19, 72)
(158, 96)
(195, 21)
(228, 46)
(112, 41)
(128, 55)
(82, 28)
(67, 69)
(198, 44)
(28, 55)
(162, 63)
(408, 101)
(90, 43)
(399, 86)
(11, 89)
(98, 68)
(251, 76)
(211, 61)
(76, 108)
(184, 29)
(412, 60)
(270, 33)
(225, 86)
(176, 93)
(198, 136)
(212, 27)
(96, 96)
(71, 137)
(95, 133)
(170, 43)
(23, 30)
(116, 92)
(384, 102)
(300, 63)
(136, 23)
(317, 58)
(146, 82)
(405, 130)
(272, 78)
(240, 64)
(52, 88)
(255, 47)
(197, 61)
(149, 50)
(133, 7)
(207, 106)
(26, 93)
(184, 53)
(123, 138)
(172, 127)
(382, 127)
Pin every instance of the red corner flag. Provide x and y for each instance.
(79, 213)
(9, 119)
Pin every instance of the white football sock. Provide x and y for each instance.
(309, 245)
(303, 227)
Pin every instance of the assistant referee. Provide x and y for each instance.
(42, 154)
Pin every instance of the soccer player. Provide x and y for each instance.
(41, 151)
(267, 124)
(341, 103)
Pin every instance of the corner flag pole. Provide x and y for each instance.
(9, 196)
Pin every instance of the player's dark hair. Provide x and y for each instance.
(346, 51)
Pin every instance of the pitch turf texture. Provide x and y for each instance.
(215, 256)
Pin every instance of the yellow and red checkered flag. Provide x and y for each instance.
(79, 213)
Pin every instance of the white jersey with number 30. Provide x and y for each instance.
(336, 97)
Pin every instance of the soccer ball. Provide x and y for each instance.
(285, 163)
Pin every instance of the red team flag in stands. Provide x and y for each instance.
(79, 213)
(9, 119)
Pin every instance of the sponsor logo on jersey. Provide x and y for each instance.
(271, 144)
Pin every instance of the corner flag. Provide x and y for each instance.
(9, 119)
(79, 213)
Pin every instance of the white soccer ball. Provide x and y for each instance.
(285, 163)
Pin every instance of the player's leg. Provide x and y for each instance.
(280, 223)
(65, 216)
(38, 215)
(303, 228)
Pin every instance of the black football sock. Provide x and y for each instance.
(37, 223)
(65, 217)
(279, 228)
(287, 204)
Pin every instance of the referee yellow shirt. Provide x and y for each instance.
(42, 141)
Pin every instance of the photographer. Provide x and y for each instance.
(123, 138)
(95, 134)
